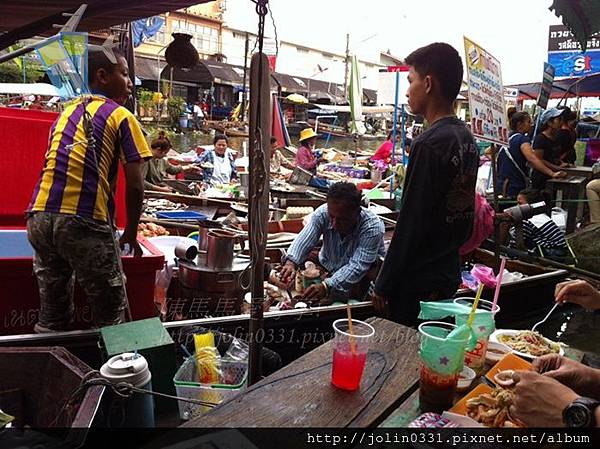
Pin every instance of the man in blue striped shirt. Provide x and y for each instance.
(352, 242)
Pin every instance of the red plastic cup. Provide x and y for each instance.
(350, 353)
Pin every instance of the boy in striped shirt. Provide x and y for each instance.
(70, 215)
(540, 233)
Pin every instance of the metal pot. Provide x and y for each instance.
(220, 253)
(204, 227)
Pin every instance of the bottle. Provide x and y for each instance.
(398, 198)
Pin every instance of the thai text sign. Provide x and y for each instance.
(486, 95)
(564, 53)
(546, 88)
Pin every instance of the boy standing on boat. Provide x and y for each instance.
(438, 199)
(70, 214)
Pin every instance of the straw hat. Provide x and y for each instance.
(307, 134)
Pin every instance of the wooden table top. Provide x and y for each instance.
(568, 180)
(301, 394)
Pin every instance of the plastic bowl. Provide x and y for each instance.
(465, 379)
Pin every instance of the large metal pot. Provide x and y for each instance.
(209, 292)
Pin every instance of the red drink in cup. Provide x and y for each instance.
(350, 353)
(347, 369)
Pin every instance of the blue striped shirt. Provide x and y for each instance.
(347, 258)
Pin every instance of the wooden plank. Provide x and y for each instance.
(301, 394)
(405, 414)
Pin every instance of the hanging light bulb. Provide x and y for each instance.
(181, 53)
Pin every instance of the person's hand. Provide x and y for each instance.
(165, 189)
(315, 291)
(380, 304)
(570, 373)
(578, 292)
(559, 174)
(191, 168)
(130, 238)
(539, 400)
(288, 273)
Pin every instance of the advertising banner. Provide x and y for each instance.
(546, 87)
(564, 53)
(486, 95)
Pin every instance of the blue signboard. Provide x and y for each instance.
(575, 63)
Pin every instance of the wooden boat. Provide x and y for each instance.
(38, 403)
(235, 132)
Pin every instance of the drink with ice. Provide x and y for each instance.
(347, 369)
(350, 353)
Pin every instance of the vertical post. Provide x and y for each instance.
(395, 124)
(244, 97)
(497, 210)
(346, 65)
(258, 202)
(403, 134)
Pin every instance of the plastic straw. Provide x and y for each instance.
(498, 283)
(350, 330)
(475, 303)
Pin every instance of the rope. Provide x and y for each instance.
(124, 390)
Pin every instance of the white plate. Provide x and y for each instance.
(495, 338)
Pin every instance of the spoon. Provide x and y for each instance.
(545, 318)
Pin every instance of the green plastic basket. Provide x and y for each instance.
(187, 386)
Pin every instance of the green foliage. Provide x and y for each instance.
(145, 98)
(175, 107)
(12, 73)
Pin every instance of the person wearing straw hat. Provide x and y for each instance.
(305, 157)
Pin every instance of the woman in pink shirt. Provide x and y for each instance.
(304, 156)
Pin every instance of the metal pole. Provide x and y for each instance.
(395, 123)
(244, 97)
(346, 66)
(497, 210)
(258, 204)
(403, 131)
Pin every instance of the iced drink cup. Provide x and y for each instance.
(350, 353)
(441, 362)
(483, 326)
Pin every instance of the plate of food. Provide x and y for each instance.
(526, 343)
(488, 406)
(501, 373)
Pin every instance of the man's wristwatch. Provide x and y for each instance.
(581, 413)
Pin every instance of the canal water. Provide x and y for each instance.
(183, 142)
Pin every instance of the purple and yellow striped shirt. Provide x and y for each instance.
(74, 180)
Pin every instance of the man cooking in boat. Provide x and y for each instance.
(352, 244)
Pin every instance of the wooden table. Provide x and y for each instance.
(570, 188)
(584, 172)
(301, 394)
